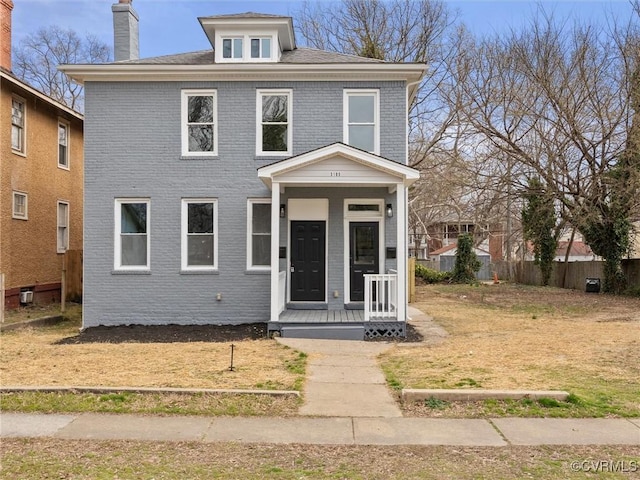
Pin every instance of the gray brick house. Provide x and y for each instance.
(252, 182)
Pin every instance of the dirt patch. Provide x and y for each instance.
(169, 334)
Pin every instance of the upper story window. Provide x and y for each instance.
(238, 46)
(273, 118)
(199, 234)
(362, 119)
(20, 205)
(261, 47)
(131, 234)
(63, 145)
(18, 125)
(199, 123)
(232, 48)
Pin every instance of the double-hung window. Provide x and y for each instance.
(20, 205)
(131, 234)
(199, 234)
(261, 47)
(63, 227)
(63, 145)
(273, 118)
(199, 123)
(232, 48)
(258, 234)
(362, 119)
(18, 125)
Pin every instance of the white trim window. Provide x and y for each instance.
(259, 234)
(362, 119)
(199, 123)
(260, 47)
(20, 206)
(273, 122)
(232, 48)
(18, 120)
(132, 234)
(199, 234)
(63, 226)
(63, 145)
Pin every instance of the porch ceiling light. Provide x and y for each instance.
(283, 210)
(389, 210)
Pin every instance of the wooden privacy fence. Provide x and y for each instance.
(571, 275)
(72, 276)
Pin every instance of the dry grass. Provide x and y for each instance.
(31, 357)
(516, 337)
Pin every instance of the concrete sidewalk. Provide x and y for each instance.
(327, 430)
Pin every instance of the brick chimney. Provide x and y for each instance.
(5, 33)
(125, 31)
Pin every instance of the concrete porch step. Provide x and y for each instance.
(325, 332)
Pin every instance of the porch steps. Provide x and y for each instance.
(324, 332)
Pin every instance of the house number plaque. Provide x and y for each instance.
(335, 174)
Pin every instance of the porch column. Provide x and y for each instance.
(275, 245)
(401, 252)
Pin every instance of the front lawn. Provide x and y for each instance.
(520, 337)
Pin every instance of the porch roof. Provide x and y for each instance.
(334, 166)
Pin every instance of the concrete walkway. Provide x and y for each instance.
(343, 379)
(498, 432)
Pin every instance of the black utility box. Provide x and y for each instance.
(593, 285)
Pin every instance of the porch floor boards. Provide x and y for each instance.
(322, 316)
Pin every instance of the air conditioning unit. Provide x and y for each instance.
(26, 297)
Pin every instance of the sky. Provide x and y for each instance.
(171, 26)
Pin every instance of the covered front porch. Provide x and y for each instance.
(338, 244)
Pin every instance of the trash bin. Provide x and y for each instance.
(592, 285)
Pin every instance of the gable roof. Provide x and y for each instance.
(405, 174)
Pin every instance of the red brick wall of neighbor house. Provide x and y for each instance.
(5, 33)
(28, 248)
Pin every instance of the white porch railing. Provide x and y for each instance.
(380, 297)
(282, 292)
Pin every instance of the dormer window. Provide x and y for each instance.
(232, 48)
(261, 47)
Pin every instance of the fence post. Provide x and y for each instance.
(411, 271)
(2, 297)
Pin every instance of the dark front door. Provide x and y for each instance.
(363, 255)
(307, 261)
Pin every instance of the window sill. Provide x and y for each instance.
(20, 218)
(130, 272)
(63, 167)
(199, 272)
(200, 157)
(18, 152)
(257, 272)
(263, 156)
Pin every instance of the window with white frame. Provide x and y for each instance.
(261, 47)
(131, 234)
(20, 210)
(63, 227)
(361, 119)
(199, 123)
(259, 234)
(273, 116)
(63, 145)
(18, 125)
(199, 234)
(232, 48)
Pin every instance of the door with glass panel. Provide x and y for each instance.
(364, 256)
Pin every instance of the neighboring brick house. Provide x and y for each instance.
(41, 172)
(252, 182)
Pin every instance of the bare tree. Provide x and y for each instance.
(37, 56)
(555, 101)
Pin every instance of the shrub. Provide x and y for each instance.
(431, 276)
